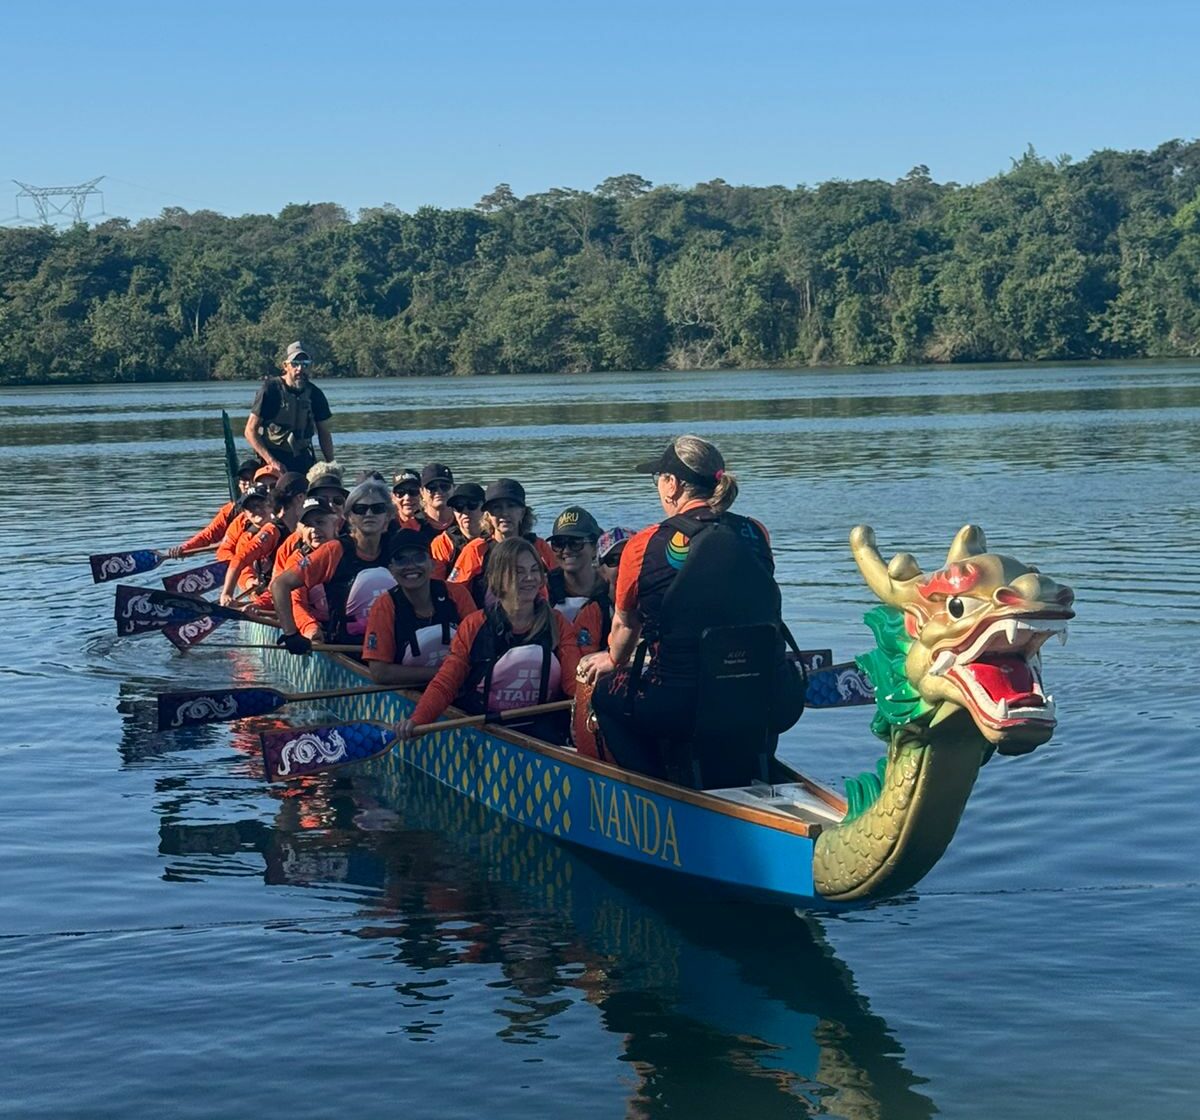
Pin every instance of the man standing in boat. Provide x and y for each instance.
(287, 413)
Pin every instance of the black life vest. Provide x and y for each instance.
(291, 430)
(556, 588)
(337, 588)
(408, 622)
(459, 540)
(702, 569)
(264, 566)
(494, 640)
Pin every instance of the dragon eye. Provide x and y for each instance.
(959, 605)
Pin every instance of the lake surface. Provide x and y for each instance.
(178, 938)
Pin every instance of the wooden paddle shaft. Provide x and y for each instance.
(319, 647)
(506, 717)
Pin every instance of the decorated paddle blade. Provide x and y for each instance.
(196, 581)
(114, 565)
(813, 659)
(839, 686)
(298, 751)
(189, 709)
(139, 609)
(184, 635)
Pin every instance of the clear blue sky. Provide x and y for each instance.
(243, 107)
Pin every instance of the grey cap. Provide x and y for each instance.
(296, 350)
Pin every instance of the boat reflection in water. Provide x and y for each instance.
(722, 1007)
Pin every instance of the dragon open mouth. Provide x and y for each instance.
(998, 670)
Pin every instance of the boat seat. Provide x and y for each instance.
(732, 743)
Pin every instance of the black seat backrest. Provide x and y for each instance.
(732, 742)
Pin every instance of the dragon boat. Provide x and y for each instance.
(957, 678)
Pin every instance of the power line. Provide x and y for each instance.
(53, 203)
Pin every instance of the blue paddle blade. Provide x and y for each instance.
(299, 751)
(196, 581)
(114, 565)
(839, 686)
(189, 709)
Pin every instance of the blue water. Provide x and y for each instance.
(179, 938)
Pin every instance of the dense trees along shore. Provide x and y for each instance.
(1050, 260)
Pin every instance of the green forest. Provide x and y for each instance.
(1053, 259)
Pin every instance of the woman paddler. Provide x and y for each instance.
(335, 565)
(319, 522)
(410, 627)
(466, 505)
(576, 587)
(517, 653)
(213, 532)
(244, 522)
(702, 567)
(505, 517)
(253, 564)
(437, 484)
(406, 498)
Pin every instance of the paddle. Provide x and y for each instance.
(114, 565)
(299, 751)
(184, 635)
(195, 581)
(319, 647)
(141, 609)
(838, 686)
(812, 659)
(189, 709)
(231, 459)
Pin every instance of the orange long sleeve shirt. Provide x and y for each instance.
(442, 691)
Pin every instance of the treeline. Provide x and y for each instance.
(1050, 260)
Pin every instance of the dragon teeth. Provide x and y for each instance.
(944, 661)
(1062, 636)
(1010, 631)
(1002, 709)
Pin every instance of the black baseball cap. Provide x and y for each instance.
(504, 490)
(435, 472)
(670, 463)
(406, 540)
(406, 476)
(257, 493)
(289, 485)
(327, 482)
(575, 521)
(248, 466)
(314, 507)
(465, 492)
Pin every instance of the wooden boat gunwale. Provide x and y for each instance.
(768, 818)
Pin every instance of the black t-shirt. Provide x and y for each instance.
(266, 404)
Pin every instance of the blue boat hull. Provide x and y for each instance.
(754, 852)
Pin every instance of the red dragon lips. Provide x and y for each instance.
(998, 671)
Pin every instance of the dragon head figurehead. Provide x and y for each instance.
(974, 630)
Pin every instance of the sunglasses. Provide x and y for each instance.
(406, 491)
(568, 544)
(303, 363)
(436, 487)
(362, 509)
(466, 507)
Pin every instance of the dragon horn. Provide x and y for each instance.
(892, 583)
(968, 541)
